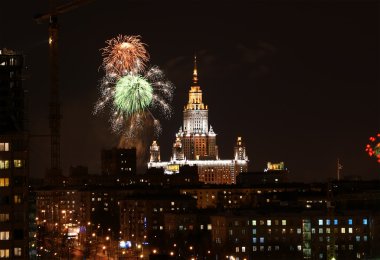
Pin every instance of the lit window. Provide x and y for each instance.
(202, 228)
(283, 222)
(4, 217)
(209, 226)
(18, 163)
(261, 240)
(4, 253)
(4, 182)
(320, 222)
(335, 222)
(350, 221)
(237, 249)
(17, 251)
(365, 238)
(327, 222)
(350, 230)
(328, 230)
(283, 231)
(357, 238)
(254, 248)
(4, 147)
(4, 235)
(299, 247)
(17, 199)
(298, 231)
(253, 222)
(4, 164)
(254, 240)
(365, 221)
(254, 231)
(243, 249)
(320, 231)
(269, 222)
(343, 230)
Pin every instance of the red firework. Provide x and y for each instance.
(373, 148)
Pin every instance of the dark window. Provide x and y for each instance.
(18, 234)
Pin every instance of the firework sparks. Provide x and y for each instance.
(133, 94)
(124, 54)
(373, 148)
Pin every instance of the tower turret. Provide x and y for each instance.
(155, 152)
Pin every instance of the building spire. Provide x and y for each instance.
(195, 71)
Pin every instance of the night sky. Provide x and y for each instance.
(298, 81)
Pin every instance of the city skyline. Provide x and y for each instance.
(301, 79)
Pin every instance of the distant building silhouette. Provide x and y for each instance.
(118, 161)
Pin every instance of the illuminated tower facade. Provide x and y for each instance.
(155, 152)
(240, 155)
(197, 139)
(195, 145)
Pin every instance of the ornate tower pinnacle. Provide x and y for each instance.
(195, 71)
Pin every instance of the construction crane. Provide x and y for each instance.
(54, 105)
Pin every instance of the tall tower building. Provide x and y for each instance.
(197, 138)
(195, 144)
(13, 159)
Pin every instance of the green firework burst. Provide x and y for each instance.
(133, 94)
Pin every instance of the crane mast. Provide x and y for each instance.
(54, 104)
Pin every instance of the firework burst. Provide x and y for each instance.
(124, 54)
(136, 96)
(373, 148)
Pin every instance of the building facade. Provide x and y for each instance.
(13, 159)
(195, 144)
